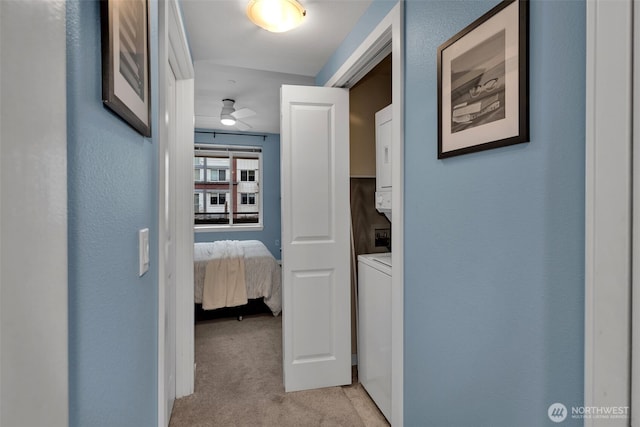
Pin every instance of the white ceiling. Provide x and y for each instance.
(235, 59)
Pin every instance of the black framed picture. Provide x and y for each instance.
(483, 82)
(125, 61)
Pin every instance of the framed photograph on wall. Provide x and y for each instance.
(125, 61)
(483, 82)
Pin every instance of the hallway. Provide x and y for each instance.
(239, 383)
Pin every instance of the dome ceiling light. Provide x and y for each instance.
(276, 16)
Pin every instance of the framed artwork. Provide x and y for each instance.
(125, 61)
(483, 82)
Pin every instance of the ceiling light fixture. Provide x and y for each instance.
(227, 120)
(276, 16)
(225, 115)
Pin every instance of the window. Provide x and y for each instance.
(227, 186)
(248, 198)
(247, 175)
(196, 202)
(206, 169)
(217, 175)
(217, 198)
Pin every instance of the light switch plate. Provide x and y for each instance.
(143, 250)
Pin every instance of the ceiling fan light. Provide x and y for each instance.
(227, 120)
(276, 16)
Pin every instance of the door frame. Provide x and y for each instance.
(608, 205)
(173, 51)
(387, 37)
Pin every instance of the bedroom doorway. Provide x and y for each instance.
(387, 34)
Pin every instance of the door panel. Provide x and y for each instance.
(311, 295)
(311, 199)
(315, 237)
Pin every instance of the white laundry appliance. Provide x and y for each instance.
(374, 322)
(374, 286)
(383, 161)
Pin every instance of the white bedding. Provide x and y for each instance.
(262, 271)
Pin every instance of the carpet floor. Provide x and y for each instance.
(239, 384)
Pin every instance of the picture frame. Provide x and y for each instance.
(125, 61)
(483, 82)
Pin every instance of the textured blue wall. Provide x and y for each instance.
(112, 183)
(494, 241)
(270, 187)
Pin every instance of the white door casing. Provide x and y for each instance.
(315, 237)
(635, 226)
(166, 268)
(174, 58)
(170, 248)
(608, 207)
(34, 308)
(388, 36)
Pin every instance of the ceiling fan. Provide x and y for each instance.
(229, 116)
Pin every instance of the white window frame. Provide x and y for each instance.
(234, 151)
(248, 177)
(217, 172)
(217, 195)
(249, 196)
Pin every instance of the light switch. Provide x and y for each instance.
(143, 249)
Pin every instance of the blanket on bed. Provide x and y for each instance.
(224, 277)
(262, 272)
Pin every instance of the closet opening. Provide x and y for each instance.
(370, 97)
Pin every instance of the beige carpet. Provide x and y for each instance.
(239, 384)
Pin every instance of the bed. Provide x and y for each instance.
(237, 265)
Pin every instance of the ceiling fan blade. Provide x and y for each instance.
(242, 125)
(242, 113)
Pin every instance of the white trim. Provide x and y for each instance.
(607, 205)
(185, 357)
(397, 204)
(371, 51)
(34, 311)
(179, 54)
(635, 248)
(389, 29)
(173, 51)
(182, 65)
(1, 340)
(1, 379)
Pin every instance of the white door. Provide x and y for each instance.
(315, 237)
(169, 247)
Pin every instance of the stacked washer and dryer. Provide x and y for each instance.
(374, 286)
